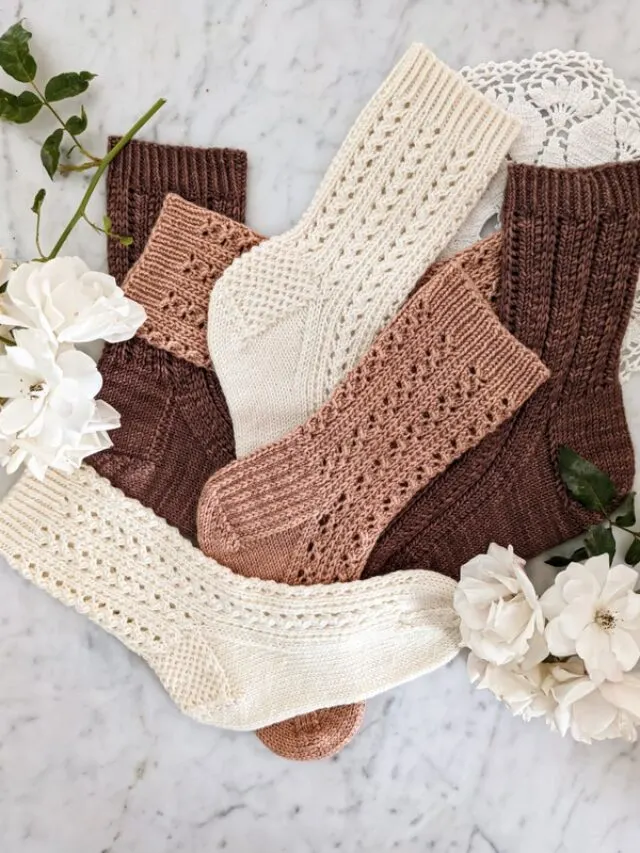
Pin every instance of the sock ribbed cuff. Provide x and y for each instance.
(187, 251)
(144, 172)
(571, 256)
(572, 193)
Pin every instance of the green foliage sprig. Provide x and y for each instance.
(596, 491)
(17, 61)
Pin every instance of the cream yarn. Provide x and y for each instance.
(293, 315)
(235, 652)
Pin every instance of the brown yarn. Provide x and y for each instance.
(175, 428)
(144, 172)
(570, 262)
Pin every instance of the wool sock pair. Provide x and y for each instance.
(174, 432)
(563, 279)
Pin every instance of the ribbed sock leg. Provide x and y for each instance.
(414, 163)
(570, 265)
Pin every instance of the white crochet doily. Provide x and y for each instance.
(574, 112)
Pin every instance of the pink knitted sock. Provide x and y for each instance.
(310, 507)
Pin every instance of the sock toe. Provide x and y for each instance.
(319, 734)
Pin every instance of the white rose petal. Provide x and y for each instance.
(593, 711)
(501, 618)
(69, 303)
(593, 612)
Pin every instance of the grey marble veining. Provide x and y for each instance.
(94, 758)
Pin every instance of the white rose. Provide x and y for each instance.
(594, 613)
(49, 418)
(590, 711)
(501, 618)
(520, 689)
(69, 303)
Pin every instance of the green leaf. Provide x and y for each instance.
(19, 108)
(588, 484)
(125, 241)
(67, 85)
(50, 152)
(599, 540)
(37, 201)
(15, 58)
(558, 561)
(77, 124)
(106, 224)
(632, 557)
(627, 510)
(578, 555)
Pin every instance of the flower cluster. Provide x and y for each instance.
(565, 656)
(49, 416)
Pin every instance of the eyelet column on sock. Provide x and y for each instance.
(570, 262)
(144, 172)
(176, 429)
(411, 168)
(211, 635)
(356, 459)
(310, 507)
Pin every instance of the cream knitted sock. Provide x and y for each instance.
(293, 315)
(309, 508)
(231, 651)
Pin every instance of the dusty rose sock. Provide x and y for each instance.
(397, 419)
(144, 172)
(570, 260)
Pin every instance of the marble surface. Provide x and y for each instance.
(94, 758)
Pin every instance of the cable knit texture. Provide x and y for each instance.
(176, 429)
(571, 258)
(308, 509)
(212, 635)
(411, 168)
(144, 172)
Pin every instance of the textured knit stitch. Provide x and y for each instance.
(188, 250)
(575, 113)
(212, 636)
(571, 258)
(323, 733)
(411, 168)
(442, 375)
(143, 173)
(175, 429)
(311, 737)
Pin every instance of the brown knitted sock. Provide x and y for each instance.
(571, 256)
(144, 172)
(175, 428)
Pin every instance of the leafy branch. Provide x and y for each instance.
(17, 61)
(596, 491)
